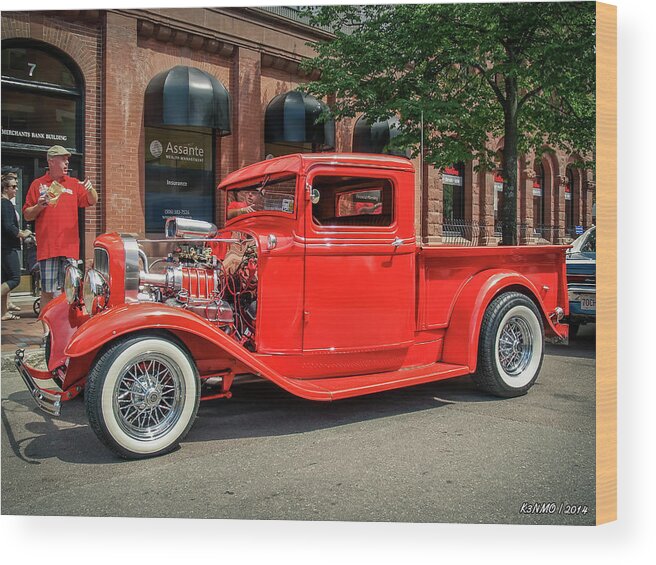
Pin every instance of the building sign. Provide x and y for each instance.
(537, 188)
(568, 193)
(498, 182)
(451, 175)
(30, 118)
(179, 176)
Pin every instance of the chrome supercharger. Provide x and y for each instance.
(214, 277)
(192, 276)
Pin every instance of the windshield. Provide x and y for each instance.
(266, 194)
(587, 243)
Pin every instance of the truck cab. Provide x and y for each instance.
(340, 273)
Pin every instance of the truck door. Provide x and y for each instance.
(360, 260)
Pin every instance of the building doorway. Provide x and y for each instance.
(42, 105)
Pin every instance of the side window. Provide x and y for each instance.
(352, 201)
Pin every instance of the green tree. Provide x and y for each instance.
(523, 71)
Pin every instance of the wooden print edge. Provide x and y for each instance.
(606, 163)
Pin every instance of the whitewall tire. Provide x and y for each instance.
(142, 396)
(511, 346)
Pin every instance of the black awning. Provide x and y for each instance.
(293, 118)
(186, 96)
(374, 138)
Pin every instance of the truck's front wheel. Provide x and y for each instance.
(142, 396)
(511, 346)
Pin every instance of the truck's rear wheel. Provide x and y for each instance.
(142, 396)
(511, 346)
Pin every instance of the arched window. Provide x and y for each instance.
(538, 199)
(570, 188)
(498, 194)
(42, 98)
(453, 196)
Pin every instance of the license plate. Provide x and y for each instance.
(589, 303)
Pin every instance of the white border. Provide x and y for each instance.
(114, 540)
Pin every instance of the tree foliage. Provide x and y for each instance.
(524, 72)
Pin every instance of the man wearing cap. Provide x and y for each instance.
(52, 202)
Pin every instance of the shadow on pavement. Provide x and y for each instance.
(583, 346)
(257, 409)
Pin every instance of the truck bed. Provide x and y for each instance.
(443, 271)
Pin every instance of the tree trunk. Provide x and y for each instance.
(509, 168)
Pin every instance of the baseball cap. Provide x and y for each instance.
(56, 151)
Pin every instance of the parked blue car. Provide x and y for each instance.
(582, 281)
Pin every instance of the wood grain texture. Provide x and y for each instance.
(606, 161)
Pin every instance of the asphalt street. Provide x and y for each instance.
(441, 452)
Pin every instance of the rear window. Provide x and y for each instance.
(352, 201)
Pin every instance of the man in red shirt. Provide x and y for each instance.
(237, 207)
(52, 202)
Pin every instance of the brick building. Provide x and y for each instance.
(158, 105)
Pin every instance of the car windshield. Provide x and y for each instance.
(264, 194)
(588, 243)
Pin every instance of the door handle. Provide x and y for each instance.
(397, 242)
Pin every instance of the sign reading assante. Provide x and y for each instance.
(179, 176)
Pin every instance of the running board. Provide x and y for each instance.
(335, 388)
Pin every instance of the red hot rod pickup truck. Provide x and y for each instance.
(316, 283)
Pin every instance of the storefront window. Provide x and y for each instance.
(179, 175)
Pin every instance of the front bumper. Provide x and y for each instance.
(49, 400)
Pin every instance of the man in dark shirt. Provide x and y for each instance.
(11, 243)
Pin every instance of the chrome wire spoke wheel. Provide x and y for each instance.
(511, 346)
(515, 347)
(148, 397)
(142, 395)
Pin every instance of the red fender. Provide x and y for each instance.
(63, 321)
(461, 339)
(130, 318)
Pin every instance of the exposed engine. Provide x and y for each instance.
(215, 278)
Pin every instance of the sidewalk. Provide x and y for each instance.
(25, 333)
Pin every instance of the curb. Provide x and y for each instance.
(33, 356)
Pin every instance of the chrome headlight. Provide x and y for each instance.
(95, 292)
(72, 284)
